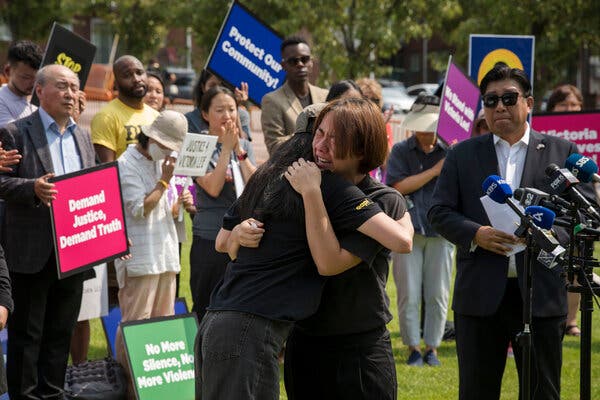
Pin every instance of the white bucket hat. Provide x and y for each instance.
(423, 115)
(168, 129)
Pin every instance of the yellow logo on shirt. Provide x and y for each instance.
(363, 204)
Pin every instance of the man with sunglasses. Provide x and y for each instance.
(281, 107)
(487, 303)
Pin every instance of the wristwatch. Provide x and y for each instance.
(242, 156)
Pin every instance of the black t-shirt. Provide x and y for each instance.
(355, 301)
(279, 280)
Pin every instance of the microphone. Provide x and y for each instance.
(541, 216)
(534, 197)
(544, 219)
(563, 180)
(582, 167)
(498, 190)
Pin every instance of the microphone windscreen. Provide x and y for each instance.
(582, 167)
(551, 169)
(496, 188)
(541, 216)
(519, 193)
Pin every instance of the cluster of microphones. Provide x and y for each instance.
(541, 208)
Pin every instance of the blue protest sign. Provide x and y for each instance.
(487, 50)
(247, 50)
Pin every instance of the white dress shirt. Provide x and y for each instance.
(511, 161)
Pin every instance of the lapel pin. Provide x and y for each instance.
(540, 146)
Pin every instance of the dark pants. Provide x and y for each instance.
(207, 268)
(481, 344)
(237, 356)
(39, 334)
(357, 366)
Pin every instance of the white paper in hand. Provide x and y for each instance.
(238, 179)
(503, 218)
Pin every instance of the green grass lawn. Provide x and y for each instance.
(428, 383)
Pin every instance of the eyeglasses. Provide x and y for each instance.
(508, 99)
(296, 60)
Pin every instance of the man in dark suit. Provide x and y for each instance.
(46, 308)
(489, 285)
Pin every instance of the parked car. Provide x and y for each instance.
(180, 82)
(394, 95)
(398, 98)
(428, 88)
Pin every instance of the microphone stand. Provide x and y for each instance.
(524, 337)
(535, 241)
(534, 238)
(586, 262)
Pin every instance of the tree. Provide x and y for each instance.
(31, 19)
(561, 29)
(348, 36)
(141, 24)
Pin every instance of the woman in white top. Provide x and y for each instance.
(147, 279)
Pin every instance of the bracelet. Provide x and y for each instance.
(242, 156)
(164, 183)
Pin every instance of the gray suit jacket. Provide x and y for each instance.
(27, 237)
(456, 213)
(280, 109)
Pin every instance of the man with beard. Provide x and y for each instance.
(119, 122)
(281, 107)
(24, 59)
(115, 127)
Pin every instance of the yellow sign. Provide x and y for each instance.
(499, 55)
(68, 62)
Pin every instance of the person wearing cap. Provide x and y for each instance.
(480, 126)
(147, 279)
(413, 167)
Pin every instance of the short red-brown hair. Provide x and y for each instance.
(359, 130)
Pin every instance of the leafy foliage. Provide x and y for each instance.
(561, 28)
(348, 37)
(31, 19)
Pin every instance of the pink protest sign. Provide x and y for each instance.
(88, 219)
(581, 128)
(458, 106)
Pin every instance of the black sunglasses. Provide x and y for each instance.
(508, 99)
(296, 60)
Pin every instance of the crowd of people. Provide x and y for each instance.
(290, 259)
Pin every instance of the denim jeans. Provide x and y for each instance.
(426, 270)
(237, 356)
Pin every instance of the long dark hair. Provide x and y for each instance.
(339, 88)
(210, 94)
(205, 75)
(268, 193)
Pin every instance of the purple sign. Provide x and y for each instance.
(178, 183)
(458, 106)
